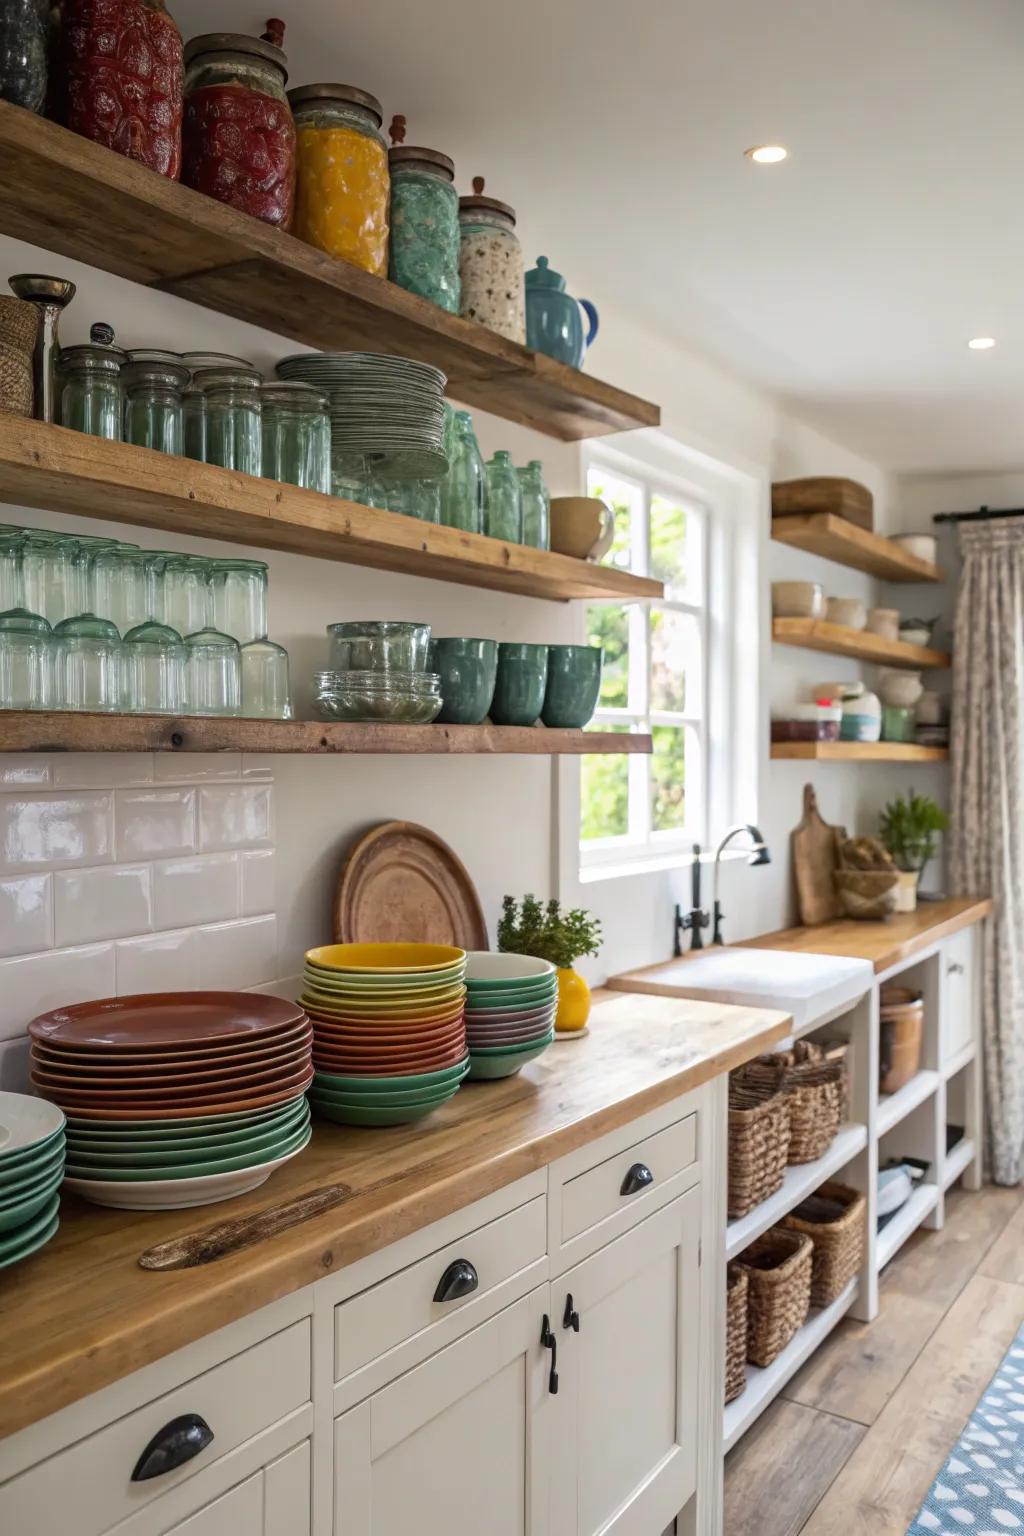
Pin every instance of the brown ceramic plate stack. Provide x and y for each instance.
(175, 1098)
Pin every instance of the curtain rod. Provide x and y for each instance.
(983, 515)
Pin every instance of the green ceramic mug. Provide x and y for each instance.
(467, 669)
(522, 679)
(574, 683)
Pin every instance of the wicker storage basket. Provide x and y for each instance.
(814, 1088)
(838, 1241)
(737, 1286)
(758, 1135)
(778, 1266)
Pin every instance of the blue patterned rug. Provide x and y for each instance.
(980, 1489)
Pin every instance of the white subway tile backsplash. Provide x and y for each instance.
(107, 903)
(288, 987)
(196, 767)
(56, 830)
(234, 816)
(257, 882)
(15, 1065)
(102, 770)
(30, 984)
(238, 955)
(159, 962)
(26, 918)
(200, 889)
(155, 823)
(257, 765)
(24, 770)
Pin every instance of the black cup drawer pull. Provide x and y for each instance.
(459, 1279)
(172, 1446)
(639, 1177)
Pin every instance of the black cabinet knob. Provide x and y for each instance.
(459, 1279)
(570, 1317)
(172, 1446)
(639, 1177)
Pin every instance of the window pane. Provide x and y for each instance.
(675, 661)
(604, 794)
(626, 503)
(674, 553)
(609, 627)
(668, 777)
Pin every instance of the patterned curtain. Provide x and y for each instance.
(987, 833)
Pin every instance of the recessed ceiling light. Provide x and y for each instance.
(766, 154)
(981, 343)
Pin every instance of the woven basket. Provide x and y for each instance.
(737, 1287)
(758, 1136)
(778, 1267)
(814, 1088)
(838, 1243)
(16, 389)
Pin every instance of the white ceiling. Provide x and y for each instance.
(848, 280)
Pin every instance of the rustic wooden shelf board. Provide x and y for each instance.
(63, 471)
(822, 533)
(74, 197)
(862, 644)
(859, 751)
(69, 731)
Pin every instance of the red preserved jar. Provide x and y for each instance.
(239, 135)
(120, 78)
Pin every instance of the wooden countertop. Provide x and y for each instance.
(884, 944)
(82, 1313)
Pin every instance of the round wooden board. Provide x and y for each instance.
(401, 882)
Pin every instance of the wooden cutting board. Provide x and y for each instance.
(815, 856)
(403, 883)
(825, 493)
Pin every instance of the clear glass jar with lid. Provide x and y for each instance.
(153, 382)
(342, 193)
(296, 435)
(213, 674)
(536, 505)
(503, 515)
(233, 413)
(153, 670)
(463, 491)
(239, 589)
(193, 401)
(265, 691)
(424, 246)
(87, 664)
(90, 374)
(26, 660)
(491, 265)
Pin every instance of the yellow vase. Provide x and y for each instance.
(573, 1001)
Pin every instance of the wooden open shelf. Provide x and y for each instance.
(840, 640)
(71, 196)
(64, 471)
(822, 533)
(63, 731)
(859, 751)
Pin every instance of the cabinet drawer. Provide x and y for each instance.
(628, 1178)
(960, 996)
(88, 1488)
(400, 1321)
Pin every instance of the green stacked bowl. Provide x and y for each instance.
(511, 1001)
(31, 1171)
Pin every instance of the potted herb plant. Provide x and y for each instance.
(909, 828)
(545, 931)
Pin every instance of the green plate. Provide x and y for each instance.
(362, 1085)
(322, 983)
(292, 1143)
(537, 1043)
(487, 1068)
(218, 1138)
(19, 1215)
(135, 1157)
(390, 1100)
(39, 1149)
(505, 1002)
(30, 1173)
(363, 1114)
(15, 1244)
(148, 1128)
(510, 983)
(39, 1240)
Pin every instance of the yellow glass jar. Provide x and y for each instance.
(343, 184)
(573, 1001)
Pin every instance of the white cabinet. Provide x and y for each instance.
(460, 1442)
(273, 1502)
(627, 1321)
(961, 1001)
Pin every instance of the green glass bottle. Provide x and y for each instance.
(536, 506)
(465, 485)
(503, 514)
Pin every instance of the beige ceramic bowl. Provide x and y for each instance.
(849, 611)
(581, 526)
(885, 622)
(924, 545)
(797, 600)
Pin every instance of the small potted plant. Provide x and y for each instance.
(909, 829)
(548, 933)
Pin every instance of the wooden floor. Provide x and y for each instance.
(852, 1446)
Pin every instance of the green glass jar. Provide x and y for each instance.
(465, 485)
(87, 664)
(90, 397)
(503, 514)
(296, 435)
(233, 418)
(536, 506)
(153, 382)
(193, 401)
(424, 251)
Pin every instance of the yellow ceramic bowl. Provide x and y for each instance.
(361, 958)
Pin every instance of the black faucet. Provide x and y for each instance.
(696, 919)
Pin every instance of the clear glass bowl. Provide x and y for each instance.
(382, 645)
(418, 683)
(376, 704)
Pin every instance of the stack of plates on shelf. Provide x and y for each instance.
(405, 698)
(175, 1098)
(31, 1169)
(389, 1039)
(388, 410)
(510, 1011)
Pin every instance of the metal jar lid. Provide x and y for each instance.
(477, 201)
(350, 94)
(234, 43)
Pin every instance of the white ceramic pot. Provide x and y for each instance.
(862, 718)
(798, 600)
(849, 611)
(931, 709)
(885, 622)
(900, 689)
(924, 545)
(906, 891)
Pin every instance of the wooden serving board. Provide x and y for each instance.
(402, 882)
(824, 493)
(815, 856)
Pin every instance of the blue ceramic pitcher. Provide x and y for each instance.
(554, 325)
